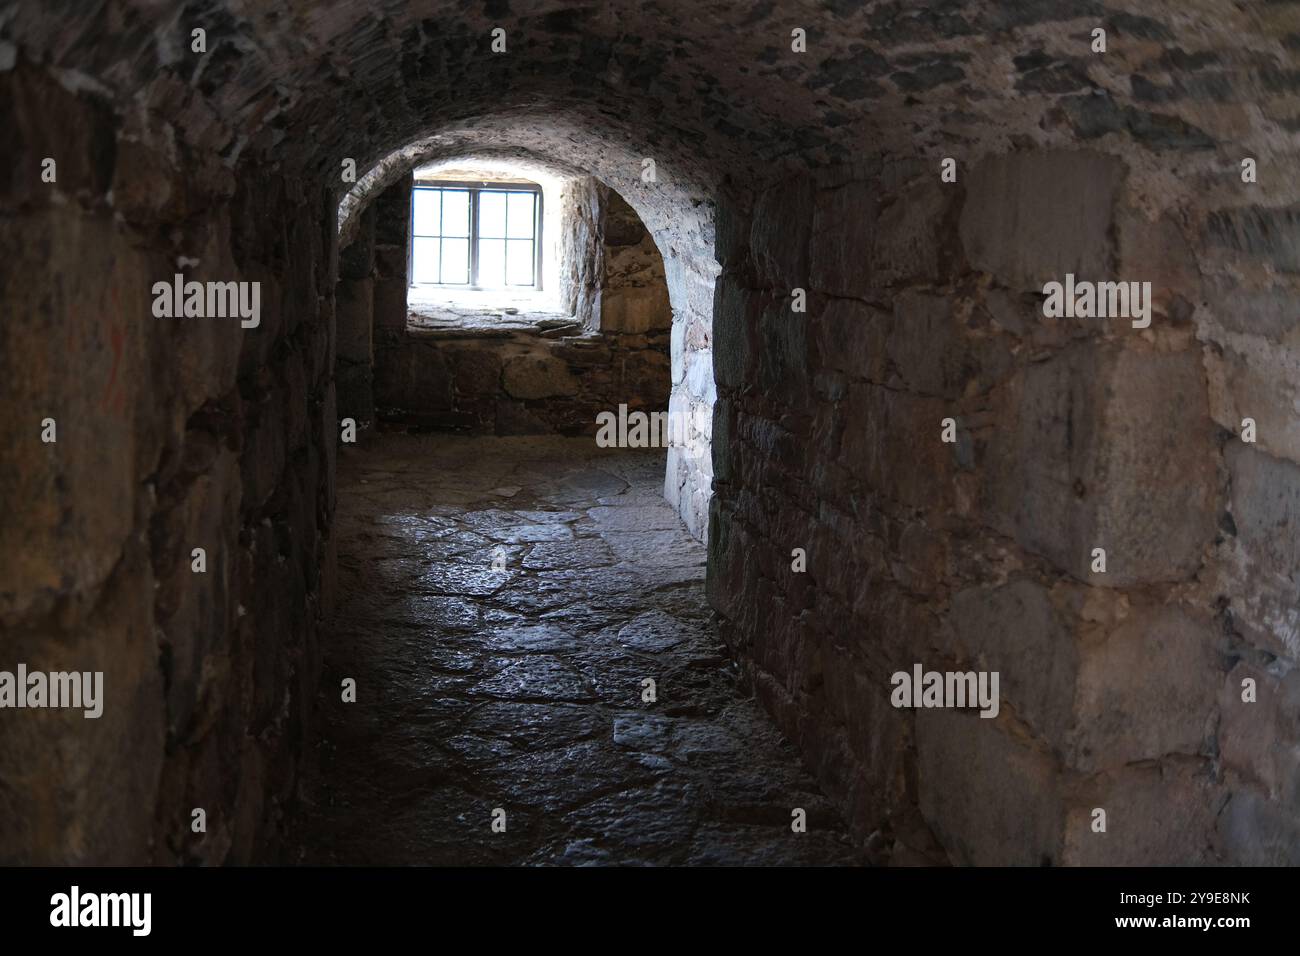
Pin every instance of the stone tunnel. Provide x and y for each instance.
(972, 324)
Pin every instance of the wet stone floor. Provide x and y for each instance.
(520, 687)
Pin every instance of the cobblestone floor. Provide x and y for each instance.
(521, 688)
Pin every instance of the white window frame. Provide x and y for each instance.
(475, 189)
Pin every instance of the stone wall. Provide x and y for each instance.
(354, 302)
(1120, 690)
(520, 381)
(612, 275)
(392, 272)
(171, 435)
(688, 481)
(371, 295)
(581, 251)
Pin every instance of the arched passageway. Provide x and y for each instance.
(679, 220)
(921, 456)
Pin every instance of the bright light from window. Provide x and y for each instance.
(479, 236)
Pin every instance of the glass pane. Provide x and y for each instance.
(425, 264)
(491, 263)
(455, 261)
(455, 213)
(492, 215)
(519, 258)
(426, 212)
(520, 218)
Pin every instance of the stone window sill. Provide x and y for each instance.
(473, 323)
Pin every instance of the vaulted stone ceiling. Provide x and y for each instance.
(711, 90)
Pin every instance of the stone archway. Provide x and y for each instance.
(680, 222)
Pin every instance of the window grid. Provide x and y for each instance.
(513, 241)
(442, 237)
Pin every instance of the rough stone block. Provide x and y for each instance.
(356, 393)
(1108, 448)
(296, 399)
(1157, 477)
(390, 310)
(535, 376)
(1015, 630)
(82, 139)
(635, 309)
(357, 258)
(476, 370)
(328, 441)
(735, 321)
(413, 377)
(1266, 312)
(1011, 817)
(732, 227)
(783, 360)
(265, 449)
(194, 611)
(1157, 252)
(876, 733)
(720, 446)
(354, 310)
(913, 236)
(393, 214)
(1257, 738)
(1146, 686)
(1018, 314)
(843, 231)
(779, 233)
(1258, 379)
(86, 790)
(925, 345)
(77, 355)
(677, 352)
(1265, 508)
(1029, 218)
(892, 442)
(1157, 814)
(850, 336)
(1256, 831)
(1258, 233)
(698, 382)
